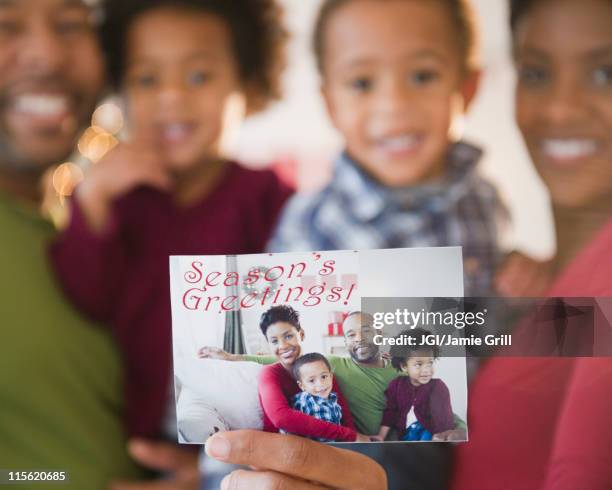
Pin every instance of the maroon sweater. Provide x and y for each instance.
(121, 278)
(431, 402)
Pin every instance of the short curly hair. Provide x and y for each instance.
(401, 353)
(256, 26)
(307, 359)
(461, 12)
(281, 313)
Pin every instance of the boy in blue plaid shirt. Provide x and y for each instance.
(395, 76)
(313, 375)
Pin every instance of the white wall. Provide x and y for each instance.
(297, 128)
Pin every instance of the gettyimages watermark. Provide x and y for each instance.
(483, 327)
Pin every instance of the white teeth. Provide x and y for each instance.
(42, 105)
(400, 143)
(569, 149)
(287, 354)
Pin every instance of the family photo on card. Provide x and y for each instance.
(281, 343)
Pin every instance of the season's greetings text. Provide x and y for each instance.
(209, 290)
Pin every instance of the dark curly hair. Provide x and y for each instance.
(401, 353)
(256, 27)
(461, 13)
(307, 359)
(518, 9)
(281, 313)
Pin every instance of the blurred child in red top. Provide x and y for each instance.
(168, 189)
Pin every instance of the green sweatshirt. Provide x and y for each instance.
(60, 377)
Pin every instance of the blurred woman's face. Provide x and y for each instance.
(563, 51)
(285, 342)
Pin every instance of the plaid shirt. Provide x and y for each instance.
(354, 212)
(327, 409)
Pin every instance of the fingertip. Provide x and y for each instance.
(225, 483)
(218, 447)
(138, 447)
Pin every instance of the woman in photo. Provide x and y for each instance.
(277, 385)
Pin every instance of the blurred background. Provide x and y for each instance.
(296, 136)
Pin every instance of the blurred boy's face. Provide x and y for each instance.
(391, 80)
(420, 368)
(51, 75)
(180, 75)
(316, 379)
(285, 342)
(564, 98)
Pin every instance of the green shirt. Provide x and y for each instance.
(60, 377)
(364, 389)
(362, 386)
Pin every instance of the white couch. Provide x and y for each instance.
(215, 396)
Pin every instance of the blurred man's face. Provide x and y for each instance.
(51, 75)
(359, 338)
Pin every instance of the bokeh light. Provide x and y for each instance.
(66, 177)
(108, 117)
(95, 143)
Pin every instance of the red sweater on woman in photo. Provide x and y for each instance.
(277, 387)
(121, 278)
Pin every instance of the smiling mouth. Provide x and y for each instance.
(287, 354)
(41, 105)
(40, 108)
(175, 133)
(404, 144)
(568, 150)
(363, 349)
